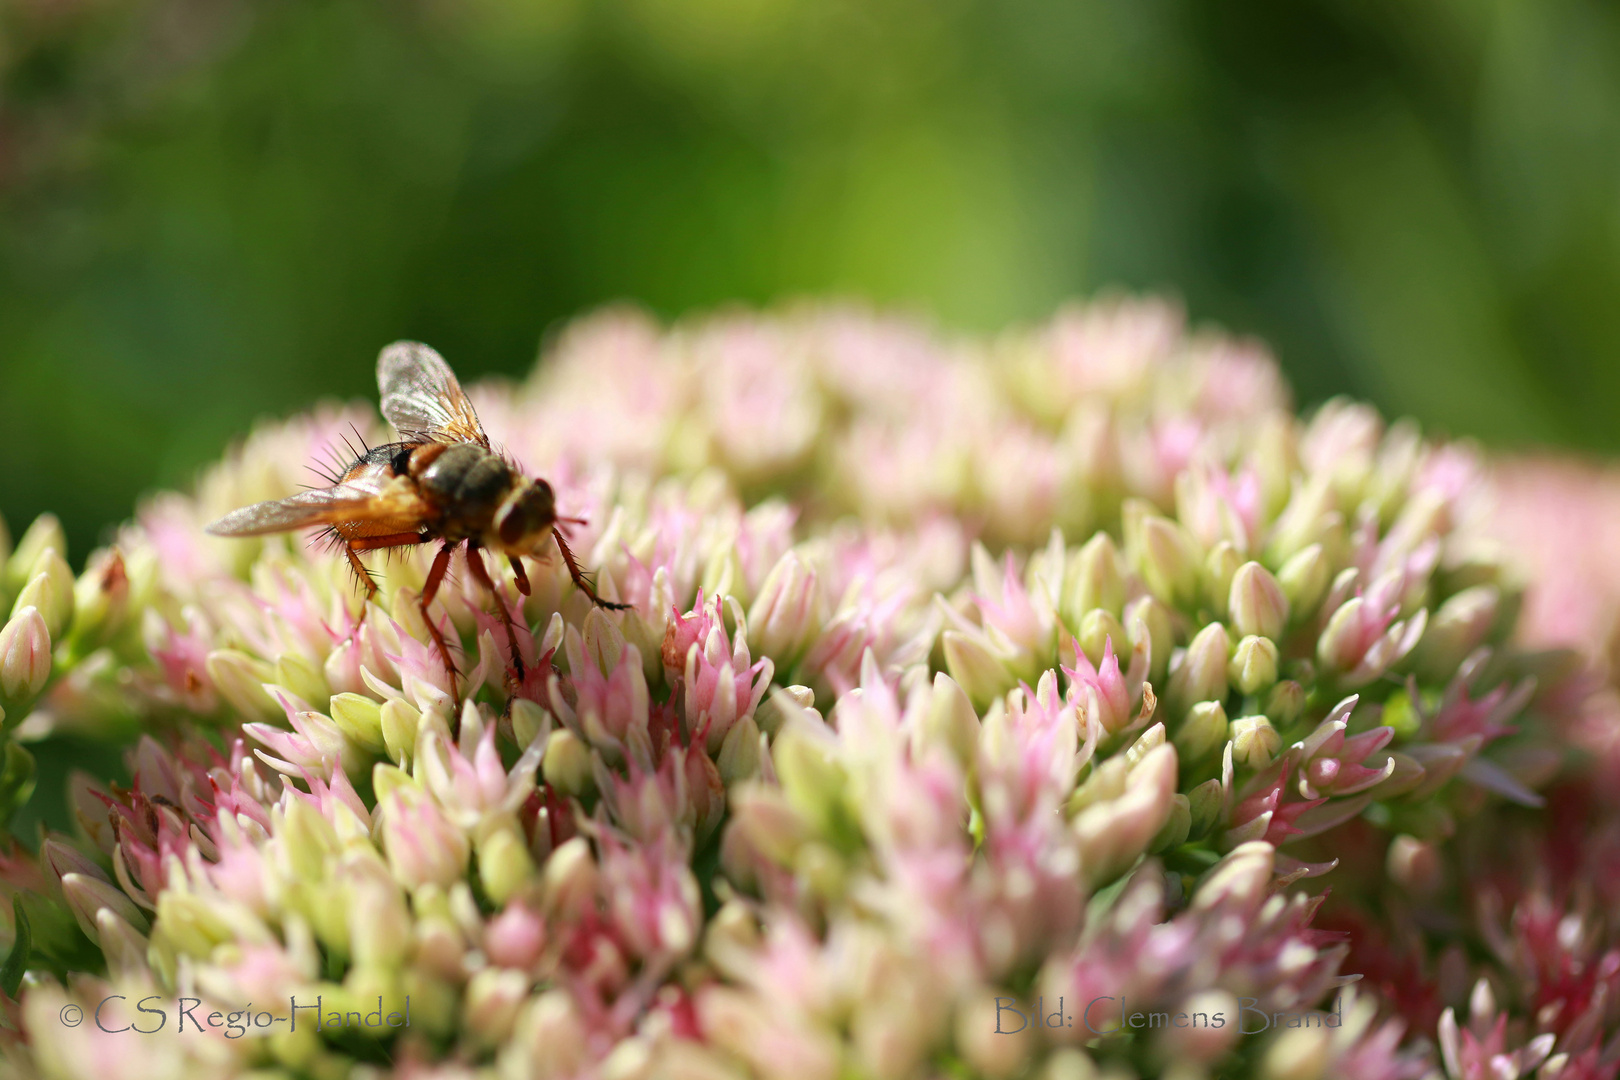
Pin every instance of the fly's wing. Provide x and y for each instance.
(366, 498)
(421, 398)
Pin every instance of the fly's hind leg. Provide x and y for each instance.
(362, 575)
(475, 564)
(580, 581)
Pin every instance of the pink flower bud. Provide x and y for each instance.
(423, 846)
(516, 937)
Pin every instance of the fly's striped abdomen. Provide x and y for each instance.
(466, 481)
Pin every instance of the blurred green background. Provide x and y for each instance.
(211, 210)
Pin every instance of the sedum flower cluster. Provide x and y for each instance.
(1058, 705)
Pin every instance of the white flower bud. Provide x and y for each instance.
(1254, 665)
(50, 589)
(25, 656)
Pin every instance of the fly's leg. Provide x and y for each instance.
(441, 562)
(475, 564)
(517, 571)
(578, 575)
(353, 547)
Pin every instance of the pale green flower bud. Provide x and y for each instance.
(1257, 602)
(1204, 803)
(398, 721)
(1068, 1064)
(1241, 880)
(310, 839)
(739, 754)
(495, 998)
(100, 600)
(1286, 701)
(1176, 826)
(1203, 732)
(1304, 579)
(422, 844)
(360, 718)
(812, 781)
(1107, 781)
(992, 1050)
(1254, 741)
(504, 865)
(1146, 619)
(86, 895)
(1220, 567)
(821, 868)
(529, 721)
(45, 534)
(782, 703)
(303, 677)
(1414, 865)
(1097, 628)
(1254, 665)
(433, 1001)
(978, 670)
(734, 931)
(25, 659)
(1202, 674)
(1301, 1054)
(1096, 579)
(787, 611)
(1113, 832)
(50, 589)
(1340, 646)
(240, 680)
(950, 720)
(1163, 552)
(1310, 518)
(567, 764)
(124, 946)
(770, 823)
(549, 1039)
(1457, 629)
(1203, 1042)
(570, 880)
(1148, 741)
(379, 923)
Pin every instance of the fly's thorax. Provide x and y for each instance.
(466, 481)
(523, 522)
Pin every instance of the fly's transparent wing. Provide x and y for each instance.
(421, 398)
(366, 498)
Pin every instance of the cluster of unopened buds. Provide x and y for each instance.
(1058, 706)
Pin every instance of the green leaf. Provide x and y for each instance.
(11, 974)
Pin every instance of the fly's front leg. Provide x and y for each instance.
(578, 575)
(441, 562)
(475, 564)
